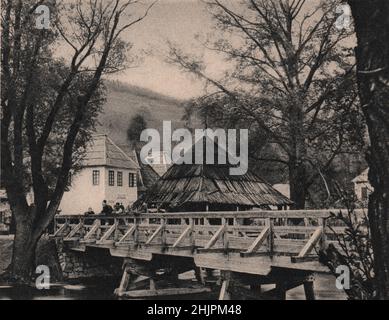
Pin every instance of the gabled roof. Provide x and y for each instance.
(102, 151)
(363, 177)
(147, 175)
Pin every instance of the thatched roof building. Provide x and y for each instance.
(210, 188)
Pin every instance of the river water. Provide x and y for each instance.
(74, 290)
(102, 289)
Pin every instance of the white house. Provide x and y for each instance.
(108, 173)
(362, 186)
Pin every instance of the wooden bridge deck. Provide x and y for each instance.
(254, 243)
(250, 242)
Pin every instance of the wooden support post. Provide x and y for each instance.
(309, 290)
(235, 225)
(224, 294)
(136, 231)
(200, 275)
(123, 283)
(226, 279)
(323, 240)
(256, 288)
(55, 223)
(117, 230)
(225, 235)
(192, 239)
(269, 224)
(163, 232)
(152, 285)
(280, 291)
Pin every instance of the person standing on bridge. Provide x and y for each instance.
(107, 209)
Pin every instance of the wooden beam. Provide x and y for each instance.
(215, 237)
(224, 294)
(226, 242)
(257, 243)
(182, 237)
(323, 240)
(108, 233)
(270, 242)
(155, 234)
(92, 231)
(61, 229)
(127, 234)
(310, 244)
(74, 231)
(164, 292)
(123, 283)
(260, 214)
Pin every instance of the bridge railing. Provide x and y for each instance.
(298, 233)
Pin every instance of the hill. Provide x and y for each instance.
(125, 101)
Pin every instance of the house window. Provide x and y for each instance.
(111, 178)
(96, 177)
(132, 180)
(120, 179)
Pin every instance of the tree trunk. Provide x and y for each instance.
(297, 168)
(24, 248)
(297, 180)
(372, 28)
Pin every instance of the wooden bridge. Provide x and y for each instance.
(244, 248)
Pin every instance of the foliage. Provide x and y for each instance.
(291, 82)
(354, 250)
(137, 125)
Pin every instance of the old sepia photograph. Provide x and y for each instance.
(194, 150)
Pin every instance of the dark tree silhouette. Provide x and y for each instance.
(137, 125)
(371, 19)
(48, 103)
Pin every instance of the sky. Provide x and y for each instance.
(177, 21)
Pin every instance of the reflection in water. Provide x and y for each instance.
(77, 290)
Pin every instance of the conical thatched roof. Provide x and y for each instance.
(188, 186)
